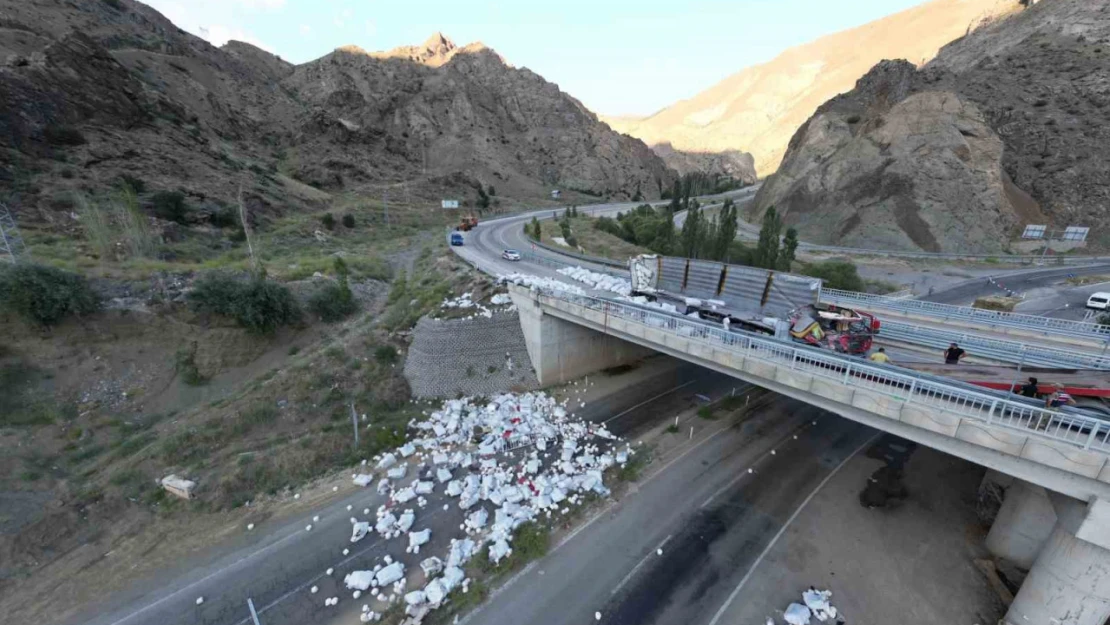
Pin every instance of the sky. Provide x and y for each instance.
(618, 57)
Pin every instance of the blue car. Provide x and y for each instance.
(456, 238)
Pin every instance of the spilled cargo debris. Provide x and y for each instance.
(509, 460)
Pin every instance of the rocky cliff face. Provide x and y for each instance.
(1007, 127)
(465, 109)
(96, 91)
(759, 108)
(728, 163)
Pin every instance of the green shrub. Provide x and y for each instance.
(170, 205)
(44, 295)
(185, 363)
(706, 412)
(1104, 319)
(63, 135)
(259, 305)
(836, 274)
(328, 220)
(385, 354)
(349, 220)
(224, 217)
(332, 302)
(134, 183)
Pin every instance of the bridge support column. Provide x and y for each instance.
(563, 351)
(1023, 524)
(1069, 583)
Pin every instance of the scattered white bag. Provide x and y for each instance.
(796, 614)
(359, 531)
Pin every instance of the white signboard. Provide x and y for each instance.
(450, 203)
(1034, 232)
(1075, 233)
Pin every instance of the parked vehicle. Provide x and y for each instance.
(456, 238)
(512, 255)
(1099, 301)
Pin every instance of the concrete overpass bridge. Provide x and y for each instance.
(1061, 458)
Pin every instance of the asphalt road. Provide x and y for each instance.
(283, 562)
(673, 551)
(1024, 281)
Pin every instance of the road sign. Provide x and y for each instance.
(1034, 232)
(450, 203)
(1075, 233)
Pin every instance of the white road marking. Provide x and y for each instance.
(638, 565)
(235, 564)
(736, 479)
(621, 414)
(322, 575)
(782, 530)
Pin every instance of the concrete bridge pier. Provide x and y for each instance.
(1069, 583)
(562, 351)
(1023, 524)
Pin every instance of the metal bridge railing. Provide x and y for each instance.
(903, 386)
(996, 318)
(1002, 350)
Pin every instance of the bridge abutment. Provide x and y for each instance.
(563, 351)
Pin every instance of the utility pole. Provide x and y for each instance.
(11, 243)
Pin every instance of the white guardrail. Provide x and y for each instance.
(901, 385)
(1002, 350)
(1045, 325)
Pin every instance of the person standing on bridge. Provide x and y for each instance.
(1029, 389)
(953, 354)
(1058, 397)
(880, 357)
(725, 322)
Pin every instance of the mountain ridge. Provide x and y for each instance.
(182, 115)
(758, 108)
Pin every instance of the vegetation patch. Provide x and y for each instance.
(259, 305)
(1004, 304)
(334, 301)
(44, 296)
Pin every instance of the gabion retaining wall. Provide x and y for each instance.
(469, 356)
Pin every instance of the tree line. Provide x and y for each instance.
(701, 236)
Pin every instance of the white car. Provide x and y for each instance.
(512, 255)
(1099, 301)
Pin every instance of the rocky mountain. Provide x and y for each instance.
(758, 109)
(1007, 127)
(101, 90)
(733, 164)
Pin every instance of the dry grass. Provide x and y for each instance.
(592, 241)
(1004, 304)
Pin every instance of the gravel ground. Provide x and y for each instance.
(912, 564)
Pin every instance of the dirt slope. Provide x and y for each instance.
(759, 108)
(1007, 127)
(95, 90)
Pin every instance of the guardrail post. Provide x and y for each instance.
(847, 373)
(913, 389)
(794, 361)
(990, 413)
(1091, 437)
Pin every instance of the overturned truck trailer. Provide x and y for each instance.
(776, 303)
